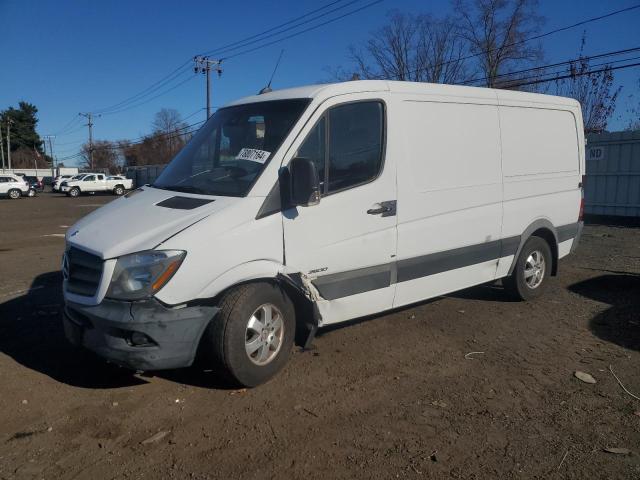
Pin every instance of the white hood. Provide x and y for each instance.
(135, 223)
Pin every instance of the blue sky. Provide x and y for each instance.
(71, 56)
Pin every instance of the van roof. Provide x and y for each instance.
(322, 91)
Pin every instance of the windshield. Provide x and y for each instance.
(230, 151)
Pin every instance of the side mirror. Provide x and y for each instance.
(304, 186)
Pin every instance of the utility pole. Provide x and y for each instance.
(205, 65)
(9, 123)
(2, 148)
(89, 117)
(53, 166)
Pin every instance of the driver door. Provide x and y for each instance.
(88, 183)
(346, 244)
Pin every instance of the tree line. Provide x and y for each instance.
(25, 146)
(169, 134)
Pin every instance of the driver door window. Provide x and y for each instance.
(346, 145)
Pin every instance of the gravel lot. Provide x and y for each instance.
(389, 397)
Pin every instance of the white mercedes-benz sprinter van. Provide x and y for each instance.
(304, 207)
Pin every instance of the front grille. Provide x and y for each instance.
(85, 271)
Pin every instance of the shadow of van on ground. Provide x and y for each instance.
(619, 324)
(31, 333)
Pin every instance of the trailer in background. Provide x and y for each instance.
(613, 174)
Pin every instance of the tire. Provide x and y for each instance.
(531, 273)
(118, 190)
(32, 193)
(231, 340)
(74, 192)
(14, 194)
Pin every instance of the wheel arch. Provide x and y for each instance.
(307, 314)
(544, 229)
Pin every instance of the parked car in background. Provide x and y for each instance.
(97, 182)
(35, 185)
(57, 181)
(65, 182)
(13, 186)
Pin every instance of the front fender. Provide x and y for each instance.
(257, 269)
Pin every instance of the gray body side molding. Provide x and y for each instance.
(540, 223)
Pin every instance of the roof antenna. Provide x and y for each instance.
(268, 88)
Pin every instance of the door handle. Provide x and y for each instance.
(386, 209)
(379, 210)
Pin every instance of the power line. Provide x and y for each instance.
(136, 100)
(224, 47)
(573, 75)
(558, 64)
(140, 140)
(242, 44)
(130, 107)
(178, 71)
(314, 27)
(68, 125)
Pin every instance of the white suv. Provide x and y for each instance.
(13, 186)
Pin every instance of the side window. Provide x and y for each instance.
(100, 177)
(89, 178)
(3, 179)
(313, 148)
(355, 144)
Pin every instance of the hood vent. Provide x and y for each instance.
(183, 203)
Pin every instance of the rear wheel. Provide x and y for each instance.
(252, 335)
(32, 193)
(533, 268)
(14, 194)
(74, 192)
(118, 190)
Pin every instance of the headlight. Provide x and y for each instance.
(141, 275)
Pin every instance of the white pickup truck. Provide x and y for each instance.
(96, 182)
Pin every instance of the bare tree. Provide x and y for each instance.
(415, 48)
(28, 158)
(155, 149)
(167, 120)
(594, 91)
(633, 112)
(495, 31)
(105, 156)
(167, 139)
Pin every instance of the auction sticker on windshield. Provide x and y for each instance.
(253, 155)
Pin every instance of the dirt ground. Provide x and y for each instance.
(390, 397)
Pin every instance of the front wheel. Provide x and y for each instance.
(14, 194)
(533, 268)
(252, 335)
(74, 192)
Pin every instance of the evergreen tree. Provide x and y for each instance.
(23, 128)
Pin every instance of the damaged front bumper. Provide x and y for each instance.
(138, 335)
